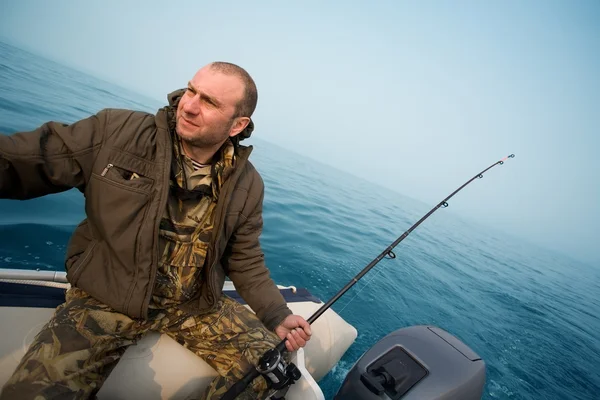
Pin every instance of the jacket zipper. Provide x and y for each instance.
(213, 249)
(161, 207)
(105, 170)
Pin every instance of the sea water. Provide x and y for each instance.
(532, 314)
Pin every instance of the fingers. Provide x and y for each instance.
(295, 339)
(296, 330)
(290, 344)
(305, 328)
(301, 323)
(302, 334)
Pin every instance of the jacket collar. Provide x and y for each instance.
(165, 120)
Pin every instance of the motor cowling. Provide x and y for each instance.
(418, 362)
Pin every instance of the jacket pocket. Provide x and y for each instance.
(126, 176)
(79, 262)
(118, 215)
(78, 244)
(117, 211)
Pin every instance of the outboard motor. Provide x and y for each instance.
(416, 363)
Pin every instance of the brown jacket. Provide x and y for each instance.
(113, 253)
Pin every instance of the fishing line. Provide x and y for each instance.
(279, 374)
(375, 275)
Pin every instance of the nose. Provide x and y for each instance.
(192, 106)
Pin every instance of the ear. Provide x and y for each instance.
(238, 126)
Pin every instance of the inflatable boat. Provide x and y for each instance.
(420, 362)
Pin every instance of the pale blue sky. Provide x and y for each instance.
(416, 96)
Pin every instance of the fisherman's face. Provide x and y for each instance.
(205, 114)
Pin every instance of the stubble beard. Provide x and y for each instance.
(208, 139)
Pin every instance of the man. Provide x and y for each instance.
(172, 206)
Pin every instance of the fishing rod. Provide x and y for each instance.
(279, 374)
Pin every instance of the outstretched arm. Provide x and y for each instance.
(52, 158)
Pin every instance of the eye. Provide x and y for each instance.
(208, 101)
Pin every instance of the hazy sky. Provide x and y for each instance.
(417, 96)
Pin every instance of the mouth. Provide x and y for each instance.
(188, 122)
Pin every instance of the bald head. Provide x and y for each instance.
(247, 105)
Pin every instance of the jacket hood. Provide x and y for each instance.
(174, 98)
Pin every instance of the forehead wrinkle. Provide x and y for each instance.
(205, 95)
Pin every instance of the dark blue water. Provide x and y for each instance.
(532, 314)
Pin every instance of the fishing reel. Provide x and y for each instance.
(278, 373)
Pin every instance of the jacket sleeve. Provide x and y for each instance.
(245, 263)
(52, 158)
